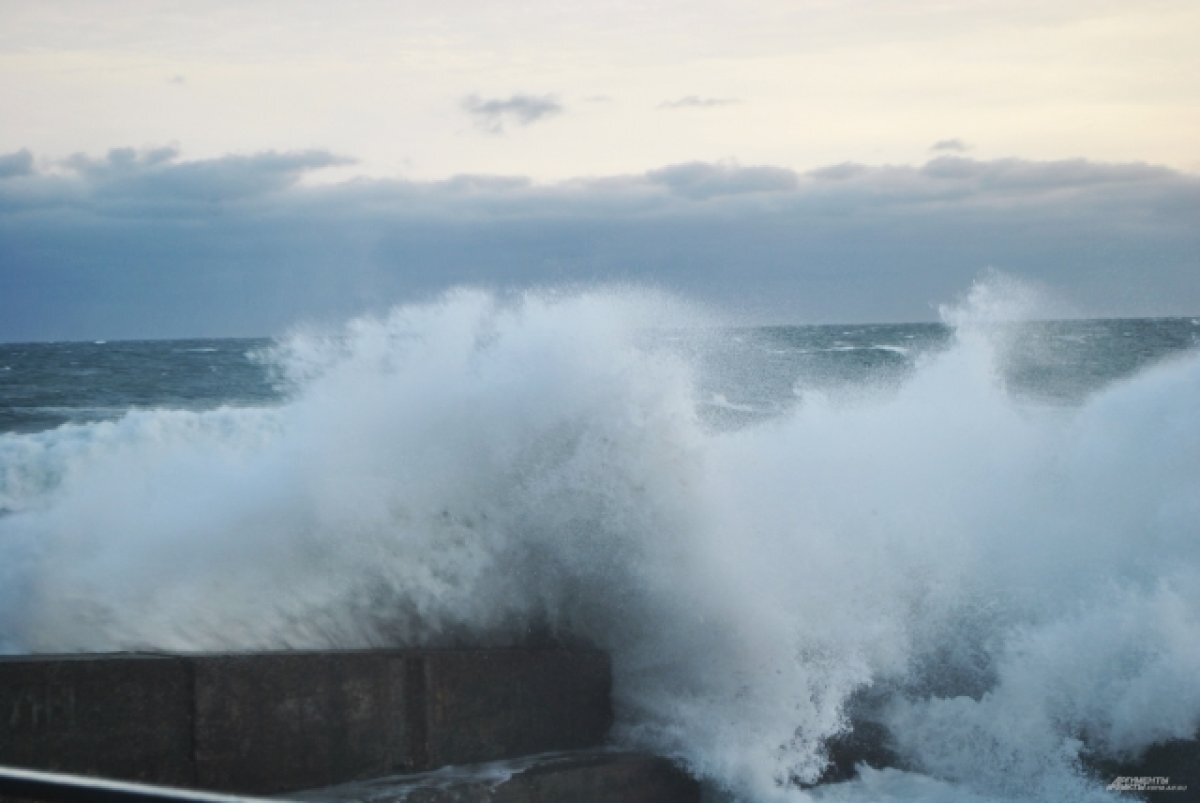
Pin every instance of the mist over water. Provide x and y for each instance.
(1007, 580)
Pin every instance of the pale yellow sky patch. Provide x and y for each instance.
(815, 82)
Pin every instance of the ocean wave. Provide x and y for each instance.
(1011, 589)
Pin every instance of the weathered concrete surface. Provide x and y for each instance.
(127, 716)
(485, 705)
(596, 776)
(269, 722)
(266, 723)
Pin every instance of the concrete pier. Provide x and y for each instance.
(273, 722)
(127, 717)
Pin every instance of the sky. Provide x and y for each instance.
(177, 168)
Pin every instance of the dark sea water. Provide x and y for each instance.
(43, 385)
(764, 370)
(750, 372)
(980, 538)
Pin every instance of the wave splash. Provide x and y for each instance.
(1008, 589)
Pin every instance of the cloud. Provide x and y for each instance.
(838, 172)
(154, 181)
(493, 114)
(143, 243)
(1009, 174)
(949, 145)
(705, 180)
(15, 164)
(697, 102)
(177, 80)
(122, 160)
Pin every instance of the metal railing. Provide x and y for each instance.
(50, 787)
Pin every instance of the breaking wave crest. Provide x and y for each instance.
(1008, 589)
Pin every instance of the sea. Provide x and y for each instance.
(979, 536)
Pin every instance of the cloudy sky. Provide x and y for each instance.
(177, 168)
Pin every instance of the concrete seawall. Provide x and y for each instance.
(272, 722)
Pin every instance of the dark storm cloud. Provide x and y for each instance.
(697, 102)
(156, 175)
(16, 164)
(141, 243)
(492, 114)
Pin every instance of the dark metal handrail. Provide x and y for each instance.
(56, 786)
